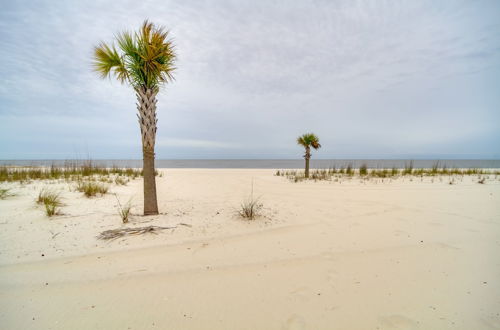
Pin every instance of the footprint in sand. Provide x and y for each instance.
(294, 322)
(398, 322)
(301, 293)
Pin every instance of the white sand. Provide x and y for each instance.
(397, 254)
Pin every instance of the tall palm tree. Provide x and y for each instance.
(307, 141)
(145, 61)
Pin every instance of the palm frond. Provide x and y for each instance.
(146, 61)
(106, 60)
(309, 140)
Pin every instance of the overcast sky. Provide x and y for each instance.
(373, 79)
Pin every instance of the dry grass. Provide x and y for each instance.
(120, 232)
(5, 193)
(91, 189)
(121, 181)
(124, 211)
(51, 201)
(250, 208)
(364, 172)
(70, 171)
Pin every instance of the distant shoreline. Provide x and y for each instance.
(270, 163)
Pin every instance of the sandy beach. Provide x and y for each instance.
(405, 253)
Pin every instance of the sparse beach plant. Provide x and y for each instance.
(435, 168)
(408, 170)
(394, 171)
(349, 171)
(444, 171)
(5, 193)
(250, 208)
(51, 201)
(51, 209)
(363, 170)
(91, 189)
(121, 181)
(124, 211)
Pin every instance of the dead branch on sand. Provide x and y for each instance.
(120, 232)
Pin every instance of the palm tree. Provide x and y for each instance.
(307, 141)
(145, 61)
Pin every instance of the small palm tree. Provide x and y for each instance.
(307, 141)
(145, 60)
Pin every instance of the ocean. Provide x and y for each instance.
(272, 163)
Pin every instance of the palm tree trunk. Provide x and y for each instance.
(307, 156)
(150, 202)
(147, 120)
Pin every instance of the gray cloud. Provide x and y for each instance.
(370, 77)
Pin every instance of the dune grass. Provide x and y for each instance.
(251, 207)
(70, 171)
(124, 211)
(121, 181)
(50, 200)
(6, 193)
(92, 189)
(364, 172)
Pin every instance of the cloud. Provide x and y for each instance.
(190, 143)
(258, 74)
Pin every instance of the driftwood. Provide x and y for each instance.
(120, 232)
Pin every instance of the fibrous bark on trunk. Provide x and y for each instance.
(147, 120)
(307, 156)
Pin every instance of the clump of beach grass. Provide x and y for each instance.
(349, 171)
(91, 189)
(408, 170)
(124, 211)
(363, 170)
(121, 181)
(251, 207)
(51, 201)
(5, 193)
